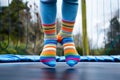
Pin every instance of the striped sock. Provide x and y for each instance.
(66, 39)
(49, 51)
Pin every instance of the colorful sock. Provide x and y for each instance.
(49, 51)
(48, 10)
(66, 39)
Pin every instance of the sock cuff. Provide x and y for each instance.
(67, 26)
(49, 29)
(66, 21)
(49, 24)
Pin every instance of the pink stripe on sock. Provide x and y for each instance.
(47, 60)
(76, 59)
(71, 22)
(48, 24)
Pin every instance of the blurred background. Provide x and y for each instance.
(21, 30)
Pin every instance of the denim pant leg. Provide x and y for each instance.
(48, 11)
(69, 10)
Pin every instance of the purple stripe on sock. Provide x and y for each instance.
(49, 24)
(71, 22)
(76, 59)
(47, 60)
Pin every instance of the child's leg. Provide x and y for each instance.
(48, 17)
(69, 11)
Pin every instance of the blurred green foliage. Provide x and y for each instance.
(112, 46)
(20, 36)
(79, 50)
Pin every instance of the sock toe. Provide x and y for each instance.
(71, 63)
(50, 63)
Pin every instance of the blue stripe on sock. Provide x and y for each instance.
(73, 56)
(45, 57)
(50, 42)
(68, 39)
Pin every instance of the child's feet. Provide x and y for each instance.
(49, 52)
(71, 55)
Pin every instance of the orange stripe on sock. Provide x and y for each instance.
(67, 29)
(49, 31)
(68, 45)
(69, 51)
(50, 47)
(49, 52)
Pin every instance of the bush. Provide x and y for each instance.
(80, 50)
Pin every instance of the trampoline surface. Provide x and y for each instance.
(38, 71)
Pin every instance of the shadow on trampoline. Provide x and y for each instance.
(68, 74)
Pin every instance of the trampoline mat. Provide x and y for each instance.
(39, 71)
